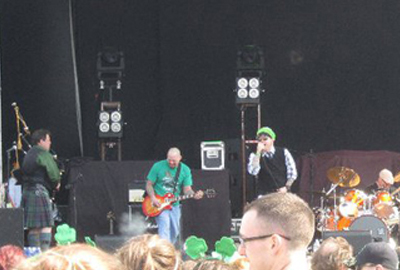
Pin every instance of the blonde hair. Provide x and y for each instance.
(213, 264)
(332, 254)
(149, 252)
(72, 257)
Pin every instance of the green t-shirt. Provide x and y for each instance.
(163, 176)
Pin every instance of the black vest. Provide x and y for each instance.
(273, 172)
(32, 172)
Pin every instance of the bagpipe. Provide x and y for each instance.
(19, 149)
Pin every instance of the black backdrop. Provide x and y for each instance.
(100, 187)
(331, 71)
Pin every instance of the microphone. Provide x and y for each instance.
(252, 141)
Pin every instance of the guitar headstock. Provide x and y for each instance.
(210, 193)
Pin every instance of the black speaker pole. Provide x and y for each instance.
(243, 150)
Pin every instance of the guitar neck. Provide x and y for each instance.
(180, 198)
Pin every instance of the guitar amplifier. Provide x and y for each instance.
(212, 155)
(136, 190)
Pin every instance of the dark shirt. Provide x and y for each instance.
(39, 167)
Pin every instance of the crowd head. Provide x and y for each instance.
(72, 257)
(10, 256)
(283, 214)
(333, 254)
(149, 252)
(276, 230)
(377, 255)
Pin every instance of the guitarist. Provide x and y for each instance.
(40, 174)
(170, 176)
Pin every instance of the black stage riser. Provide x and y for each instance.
(358, 239)
(12, 227)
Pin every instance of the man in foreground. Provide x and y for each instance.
(276, 230)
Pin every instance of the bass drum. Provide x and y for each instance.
(377, 227)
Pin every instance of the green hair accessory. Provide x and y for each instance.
(195, 247)
(65, 235)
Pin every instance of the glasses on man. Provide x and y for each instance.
(244, 240)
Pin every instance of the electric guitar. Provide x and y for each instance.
(166, 202)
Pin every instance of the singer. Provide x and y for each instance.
(40, 174)
(274, 166)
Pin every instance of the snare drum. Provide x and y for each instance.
(383, 197)
(353, 201)
(355, 196)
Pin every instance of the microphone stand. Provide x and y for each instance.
(333, 189)
(7, 185)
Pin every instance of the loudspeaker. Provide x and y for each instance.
(110, 243)
(358, 239)
(12, 226)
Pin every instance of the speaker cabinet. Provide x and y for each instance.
(358, 239)
(12, 226)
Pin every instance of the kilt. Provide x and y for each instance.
(37, 207)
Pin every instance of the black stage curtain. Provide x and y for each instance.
(96, 188)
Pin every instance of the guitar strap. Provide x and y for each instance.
(176, 178)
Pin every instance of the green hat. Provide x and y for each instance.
(268, 131)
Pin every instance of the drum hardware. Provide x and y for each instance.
(343, 177)
(356, 210)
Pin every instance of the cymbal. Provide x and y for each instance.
(343, 176)
(396, 178)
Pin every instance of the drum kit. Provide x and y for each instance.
(354, 209)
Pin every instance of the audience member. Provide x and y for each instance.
(378, 256)
(213, 264)
(149, 252)
(333, 254)
(189, 264)
(10, 256)
(72, 257)
(276, 230)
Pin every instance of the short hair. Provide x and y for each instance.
(10, 256)
(214, 264)
(332, 254)
(39, 135)
(288, 212)
(149, 252)
(174, 151)
(72, 257)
